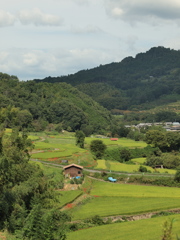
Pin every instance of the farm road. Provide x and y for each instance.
(99, 171)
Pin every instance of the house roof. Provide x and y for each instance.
(114, 139)
(72, 165)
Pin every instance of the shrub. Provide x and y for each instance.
(177, 176)
(142, 169)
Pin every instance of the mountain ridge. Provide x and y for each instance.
(133, 82)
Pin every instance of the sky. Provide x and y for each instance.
(60, 37)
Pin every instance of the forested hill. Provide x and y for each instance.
(35, 105)
(148, 80)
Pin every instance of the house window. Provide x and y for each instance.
(79, 172)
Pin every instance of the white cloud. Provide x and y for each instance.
(38, 18)
(87, 29)
(6, 19)
(140, 10)
(30, 64)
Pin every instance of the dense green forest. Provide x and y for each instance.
(35, 105)
(148, 80)
(82, 101)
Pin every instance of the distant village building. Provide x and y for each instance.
(169, 126)
(73, 170)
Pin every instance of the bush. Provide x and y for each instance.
(142, 169)
(97, 220)
(177, 176)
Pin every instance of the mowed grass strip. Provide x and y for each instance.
(146, 229)
(124, 142)
(111, 206)
(129, 190)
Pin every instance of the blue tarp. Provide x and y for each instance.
(111, 179)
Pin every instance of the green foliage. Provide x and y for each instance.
(167, 160)
(148, 80)
(26, 194)
(125, 154)
(41, 226)
(177, 176)
(80, 136)
(97, 220)
(98, 148)
(167, 230)
(34, 105)
(157, 139)
(142, 169)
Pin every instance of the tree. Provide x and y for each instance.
(157, 139)
(125, 154)
(26, 196)
(98, 148)
(80, 136)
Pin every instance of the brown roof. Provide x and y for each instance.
(73, 165)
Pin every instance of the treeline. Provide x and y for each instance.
(28, 202)
(152, 116)
(34, 106)
(148, 80)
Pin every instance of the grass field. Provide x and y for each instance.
(146, 229)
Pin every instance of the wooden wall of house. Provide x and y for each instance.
(73, 171)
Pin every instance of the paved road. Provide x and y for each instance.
(99, 171)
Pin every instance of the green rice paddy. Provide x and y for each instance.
(121, 142)
(111, 206)
(139, 160)
(68, 196)
(122, 167)
(146, 229)
(129, 190)
(110, 199)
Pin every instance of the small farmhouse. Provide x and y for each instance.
(73, 170)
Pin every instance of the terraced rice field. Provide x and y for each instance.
(121, 167)
(121, 142)
(122, 199)
(146, 229)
